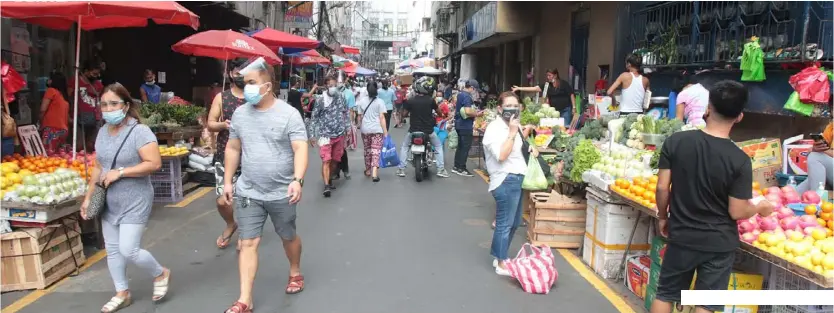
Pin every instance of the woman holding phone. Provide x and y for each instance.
(820, 162)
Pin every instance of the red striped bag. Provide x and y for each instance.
(535, 271)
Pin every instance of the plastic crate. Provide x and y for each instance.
(167, 182)
(167, 192)
(781, 279)
(170, 171)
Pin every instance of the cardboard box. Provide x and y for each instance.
(766, 176)
(637, 274)
(763, 152)
(795, 152)
(658, 249)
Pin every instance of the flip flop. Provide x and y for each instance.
(224, 241)
(296, 282)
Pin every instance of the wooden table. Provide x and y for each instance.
(171, 135)
(822, 281)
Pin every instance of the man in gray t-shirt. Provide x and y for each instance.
(268, 138)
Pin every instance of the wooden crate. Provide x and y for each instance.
(556, 220)
(34, 258)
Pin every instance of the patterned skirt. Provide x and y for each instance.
(372, 144)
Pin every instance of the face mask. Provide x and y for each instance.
(150, 83)
(438, 99)
(252, 94)
(508, 113)
(113, 117)
(238, 81)
(332, 91)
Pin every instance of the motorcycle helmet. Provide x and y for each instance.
(424, 85)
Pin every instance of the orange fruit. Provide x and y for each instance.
(639, 181)
(821, 222)
(826, 216)
(756, 185)
(626, 185)
(827, 207)
(653, 179)
(811, 209)
(652, 187)
(648, 195)
(831, 224)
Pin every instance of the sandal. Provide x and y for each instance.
(224, 241)
(160, 288)
(297, 283)
(376, 179)
(116, 304)
(238, 307)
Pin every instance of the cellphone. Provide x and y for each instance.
(816, 137)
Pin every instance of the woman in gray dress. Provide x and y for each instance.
(129, 193)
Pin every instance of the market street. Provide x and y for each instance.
(395, 245)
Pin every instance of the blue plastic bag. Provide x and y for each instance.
(388, 157)
(441, 132)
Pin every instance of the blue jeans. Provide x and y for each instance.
(507, 216)
(567, 114)
(405, 150)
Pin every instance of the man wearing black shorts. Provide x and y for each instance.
(712, 181)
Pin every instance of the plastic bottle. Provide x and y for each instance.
(822, 192)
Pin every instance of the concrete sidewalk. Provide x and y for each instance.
(396, 246)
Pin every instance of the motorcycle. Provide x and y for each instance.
(421, 154)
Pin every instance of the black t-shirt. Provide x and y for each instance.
(420, 110)
(294, 98)
(559, 97)
(706, 171)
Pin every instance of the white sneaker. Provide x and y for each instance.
(502, 271)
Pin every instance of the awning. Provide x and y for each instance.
(350, 50)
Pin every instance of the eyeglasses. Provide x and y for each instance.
(111, 103)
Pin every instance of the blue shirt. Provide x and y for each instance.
(152, 91)
(464, 100)
(350, 98)
(388, 97)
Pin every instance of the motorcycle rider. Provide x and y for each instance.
(421, 108)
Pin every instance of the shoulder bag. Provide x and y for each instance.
(9, 125)
(368, 107)
(98, 200)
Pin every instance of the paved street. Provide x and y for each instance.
(394, 246)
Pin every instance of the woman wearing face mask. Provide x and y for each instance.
(558, 93)
(150, 91)
(506, 166)
(129, 193)
(219, 120)
(54, 112)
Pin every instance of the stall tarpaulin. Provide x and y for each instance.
(287, 42)
(350, 50)
(92, 15)
(309, 57)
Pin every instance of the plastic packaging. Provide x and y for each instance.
(822, 192)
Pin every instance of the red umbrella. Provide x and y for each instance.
(90, 15)
(350, 50)
(308, 60)
(99, 14)
(224, 45)
(277, 39)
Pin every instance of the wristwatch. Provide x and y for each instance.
(299, 180)
(121, 172)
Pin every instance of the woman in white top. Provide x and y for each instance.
(691, 102)
(372, 120)
(634, 86)
(506, 166)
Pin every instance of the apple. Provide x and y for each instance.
(773, 191)
(787, 189)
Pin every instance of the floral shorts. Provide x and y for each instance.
(53, 138)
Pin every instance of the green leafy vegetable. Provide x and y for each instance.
(584, 157)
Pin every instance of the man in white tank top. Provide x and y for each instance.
(634, 86)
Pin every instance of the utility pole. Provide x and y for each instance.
(322, 14)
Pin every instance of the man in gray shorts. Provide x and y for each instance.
(268, 140)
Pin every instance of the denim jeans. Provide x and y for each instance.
(464, 145)
(405, 150)
(507, 214)
(567, 114)
(122, 245)
(820, 170)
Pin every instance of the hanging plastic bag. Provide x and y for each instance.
(388, 157)
(794, 104)
(453, 139)
(441, 132)
(534, 178)
(752, 62)
(812, 85)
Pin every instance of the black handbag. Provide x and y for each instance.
(98, 199)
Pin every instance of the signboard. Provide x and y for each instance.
(480, 26)
(31, 140)
(400, 44)
(299, 20)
